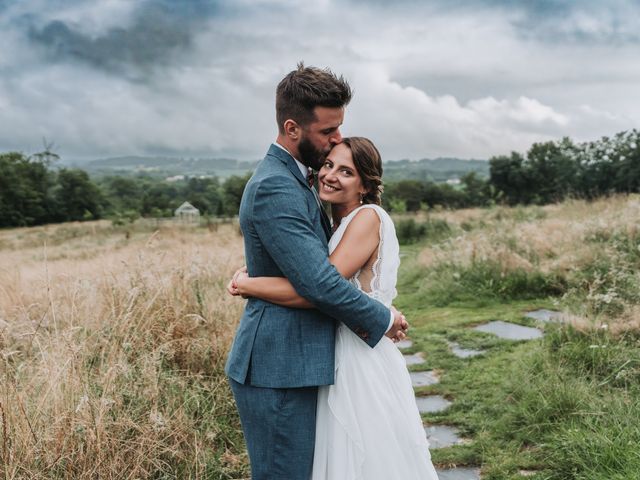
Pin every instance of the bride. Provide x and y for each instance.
(367, 423)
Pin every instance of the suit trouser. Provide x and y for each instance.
(279, 427)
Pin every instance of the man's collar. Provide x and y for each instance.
(303, 168)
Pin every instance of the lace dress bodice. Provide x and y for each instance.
(378, 277)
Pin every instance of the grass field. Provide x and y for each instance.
(113, 339)
(563, 407)
(113, 343)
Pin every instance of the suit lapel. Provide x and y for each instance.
(326, 225)
(287, 159)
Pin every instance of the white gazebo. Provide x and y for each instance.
(187, 213)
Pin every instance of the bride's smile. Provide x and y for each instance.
(339, 181)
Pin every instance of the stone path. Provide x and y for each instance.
(441, 436)
(460, 352)
(458, 474)
(423, 379)
(415, 359)
(544, 315)
(509, 331)
(432, 404)
(404, 344)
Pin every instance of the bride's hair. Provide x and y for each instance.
(368, 163)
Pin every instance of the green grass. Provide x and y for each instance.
(479, 284)
(565, 407)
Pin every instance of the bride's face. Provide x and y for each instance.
(338, 178)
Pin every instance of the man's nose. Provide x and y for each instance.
(336, 138)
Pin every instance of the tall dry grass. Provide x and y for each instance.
(112, 345)
(592, 247)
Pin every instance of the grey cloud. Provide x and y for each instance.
(159, 32)
(468, 78)
(549, 21)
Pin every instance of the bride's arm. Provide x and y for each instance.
(359, 242)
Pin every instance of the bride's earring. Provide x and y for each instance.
(361, 198)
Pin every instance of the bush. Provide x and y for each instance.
(487, 280)
(609, 284)
(409, 231)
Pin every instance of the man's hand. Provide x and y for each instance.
(398, 330)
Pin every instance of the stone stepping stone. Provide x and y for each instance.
(527, 473)
(432, 404)
(441, 436)
(402, 344)
(415, 359)
(460, 352)
(422, 379)
(509, 331)
(458, 474)
(544, 315)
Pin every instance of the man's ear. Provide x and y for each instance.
(292, 130)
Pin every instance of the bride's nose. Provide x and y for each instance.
(330, 177)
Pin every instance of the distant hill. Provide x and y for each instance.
(169, 166)
(436, 170)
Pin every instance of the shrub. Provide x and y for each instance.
(409, 231)
(487, 280)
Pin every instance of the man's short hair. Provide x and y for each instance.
(304, 89)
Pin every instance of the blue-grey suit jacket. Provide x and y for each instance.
(281, 347)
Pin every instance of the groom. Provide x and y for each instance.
(281, 355)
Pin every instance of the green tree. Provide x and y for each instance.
(411, 192)
(123, 194)
(476, 190)
(552, 174)
(509, 176)
(25, 190)
(205, 194)
(233, 189)
(160, 199)
(77, 197)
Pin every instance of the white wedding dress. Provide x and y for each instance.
(368, 426)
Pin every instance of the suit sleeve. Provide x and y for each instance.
(282, 222)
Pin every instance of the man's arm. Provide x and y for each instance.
(282, 222)
(359, 242)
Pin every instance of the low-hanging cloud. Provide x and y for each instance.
(463, 78)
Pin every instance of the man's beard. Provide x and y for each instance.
(310, 155)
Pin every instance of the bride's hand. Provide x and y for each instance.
(398, 330)
(232, 286)
(240, 283)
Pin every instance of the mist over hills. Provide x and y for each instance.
(437, 169)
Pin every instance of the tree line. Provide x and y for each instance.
(549, 172)
(33, 192)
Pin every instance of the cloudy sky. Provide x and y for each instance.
(465, 78)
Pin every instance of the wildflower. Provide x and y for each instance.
(84, 401)
(158, 422)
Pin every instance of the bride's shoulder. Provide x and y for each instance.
(368, 217)
(365, 216)
(374, 211)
